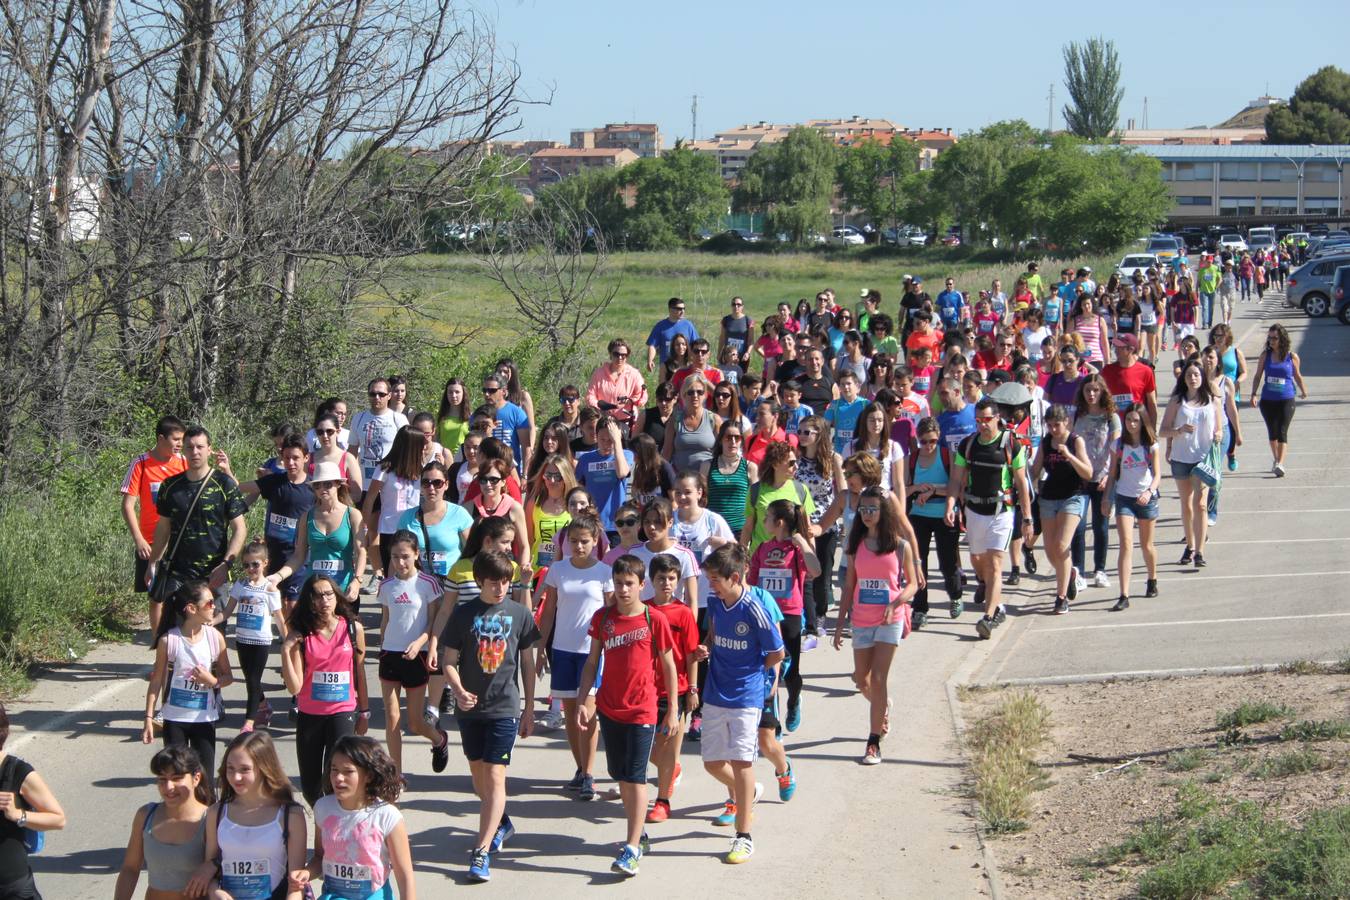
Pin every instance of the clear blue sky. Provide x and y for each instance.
(929, 64)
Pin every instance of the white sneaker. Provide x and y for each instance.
(1078, 583)
(1099, 579)
(553, 719)
(1278, 470)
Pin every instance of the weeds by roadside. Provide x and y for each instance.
(1003, 747)
(1253, 713)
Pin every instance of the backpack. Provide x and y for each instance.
(801, 492)
(1009, 446)
(215, 644)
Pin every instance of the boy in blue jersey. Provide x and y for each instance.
(742, 644)
(842, 414)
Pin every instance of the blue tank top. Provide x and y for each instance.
(1279, 379)
(933, 473)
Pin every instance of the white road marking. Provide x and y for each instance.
(1285, 541)
(1338, 615)
(96, 700)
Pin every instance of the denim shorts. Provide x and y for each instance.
(1075, 505)
(1182, 470)
(628, 748)
(488, 740)
(869, 636)
(1130, 506)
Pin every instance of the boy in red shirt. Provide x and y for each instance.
(634, 643)
(665, 575)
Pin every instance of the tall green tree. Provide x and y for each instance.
(1318, 113)
(1092, 77)
(971, 173)
(792, 182)
(871, 177)
(680, 188)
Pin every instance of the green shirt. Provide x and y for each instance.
(1036, 286)
(790, 490)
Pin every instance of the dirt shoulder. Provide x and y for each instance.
(1169, 725)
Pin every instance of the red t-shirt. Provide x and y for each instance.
(713, 376)
(684, 641)
(631, 646)
(778, 568)
(756, 444)
(932, 340)
(1129, 386)
(985, 361)
(144, 477)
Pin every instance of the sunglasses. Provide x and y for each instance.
(700, 349)
(253, 564)
(807, 432)
(325, 432)
(694, 393)
(731, 435)
(722, 395)
(986, 418)
(929, 443)
(379, 394)
(490, 479)
(626, 523)
(869, 509)
(553, 477)
(434, 483)
(488, 392)
(618, 356)
(678, 308)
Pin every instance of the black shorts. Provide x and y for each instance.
(142, 566)
(488, 740)
(768, 715)
(628, 749)
(662, 704)
(411, 673)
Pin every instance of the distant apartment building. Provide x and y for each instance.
(733, 147)
(644, 139)
(554, 164)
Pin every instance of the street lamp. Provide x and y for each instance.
(1340, 180)
(1298, 204)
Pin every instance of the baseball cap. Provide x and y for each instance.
(917, 280)
(908, 277)
(863, 293)
(1125, 340)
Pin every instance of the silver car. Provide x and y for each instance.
(1309, 286)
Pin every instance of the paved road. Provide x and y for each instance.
(1278, 581)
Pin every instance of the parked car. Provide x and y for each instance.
(1233, 242)
(847, 235)
(1164, 248)
(744, 234)
(1340, 294)
(1135, 262)
(1309, 286)
(808, 238)
(1193, 236)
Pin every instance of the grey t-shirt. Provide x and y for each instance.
(489, 638)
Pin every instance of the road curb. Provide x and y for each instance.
(1143, 675)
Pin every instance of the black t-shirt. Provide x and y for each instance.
(787, 370)
(738, 333)
(909, 305)
(817, 392)
(573, 431)
(652, 424)
(206, 531)
(489, 638)
(822, 321)
(13, 853)
(579, 446)
(286, 503)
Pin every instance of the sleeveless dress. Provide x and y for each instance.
(332, 554)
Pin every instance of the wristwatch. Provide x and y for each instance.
(364, 714)
(23, 819)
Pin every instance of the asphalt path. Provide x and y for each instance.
(1278, 580)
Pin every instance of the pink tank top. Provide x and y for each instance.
(878, 582)
(328, 687)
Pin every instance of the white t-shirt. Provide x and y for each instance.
(894, 454)
(255, 606)
(397, 496)
(372, 437)
(581, 593)
(693, 536)
(1033, 338)
(355, 852)
(1136, 470)
(408, 603)
(689, 568)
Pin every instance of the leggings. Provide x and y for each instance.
(1278, 414)
(792, 646)
(314, 740)
(926, 528)
(200, 736)
(822, 586)
(253, 662)
(1101, 525)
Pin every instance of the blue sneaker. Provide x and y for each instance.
(505, 831)
(1232, 464)
(787, 784)
(727, 816)
(575, 783)
(587, 789)
(794, 718)
(480, 869)
(627, 862)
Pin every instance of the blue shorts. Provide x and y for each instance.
(1130, 506)
(628, 748)
(566, 678)
(1075, 506)
(488, 740)
(1182, 470)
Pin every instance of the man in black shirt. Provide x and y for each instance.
(818, 388)
(915, 298)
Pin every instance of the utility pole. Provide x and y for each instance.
(1146, 113)
(693, 116)
(1050, 110)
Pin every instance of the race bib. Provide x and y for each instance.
(331, 687)
(347, 880)
(874, 591)
(368, 471)
(185, 693)
(247, 879)
(328, 566)
(778, 582)
(281, 528)
(439, 562)
(921, 385)
(546, 551)
(735, 344)
(1125, 323)
(602, 469)
(1123, 401)
(250, 618)
(1276, 382)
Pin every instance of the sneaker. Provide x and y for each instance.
(431, 716)
(1232, 464)
(1200, 560)
(586, 792)
(810, 642)
(821, 631)
(759, 792)
(505, 830)
(918, 620)
(1123, 603)
(480, 869)
(872, 755)
(695, 728)
(627, 862)
(1014, 578)
(1099, 579)
(440, 754)
(984, 628)
(1000, 616)
(1186, 557)
(1079, 583)
(957, 607)
(1151, 588)
(679, 774)
(727, 816)
(1278, 470)
(742, 848)
(659, 812)
(1061, 606)
(787, 784)
(553, 719)
(1029, 561)
(794, 718)
(644, 844)
(446, 704)
(575, 784)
